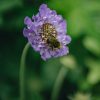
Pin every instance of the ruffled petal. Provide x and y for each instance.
(26, 32)
(44, 11)
(63, 38)
(27, 21)
(61, 27)
(45, 54)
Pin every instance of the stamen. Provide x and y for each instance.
(49, 36)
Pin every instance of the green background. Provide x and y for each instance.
(82, 81)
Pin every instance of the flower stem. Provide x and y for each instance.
(58, 83)
(22, 71)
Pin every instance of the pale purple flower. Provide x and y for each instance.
(47, 34)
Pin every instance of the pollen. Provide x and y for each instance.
(48, 30)
(49, 36)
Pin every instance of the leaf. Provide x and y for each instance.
(68, 62)
(94, 74)
(81, 96)
(92, 44)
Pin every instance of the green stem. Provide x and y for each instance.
(22, 71)
(58, 83)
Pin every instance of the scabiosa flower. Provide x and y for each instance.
(46, 32)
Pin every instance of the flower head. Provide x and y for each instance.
(46, 32)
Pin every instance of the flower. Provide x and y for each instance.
(46, 32)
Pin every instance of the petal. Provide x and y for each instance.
(65, 50)
(63, 38)
(61, 27)
(26, 32)
(45, 54)
(55, 19)
(60, 52)
(35, 47)
(67, 39)
(36, 17)
(33, 28)
(27, 21)
(43, 6)
(53, 12)
(44, 11)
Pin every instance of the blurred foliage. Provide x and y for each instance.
(82, 63)
(81, 96)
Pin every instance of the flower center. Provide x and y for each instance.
(49, 35)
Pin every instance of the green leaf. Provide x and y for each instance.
(92, 44)
(68, 62)
(94, 74)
